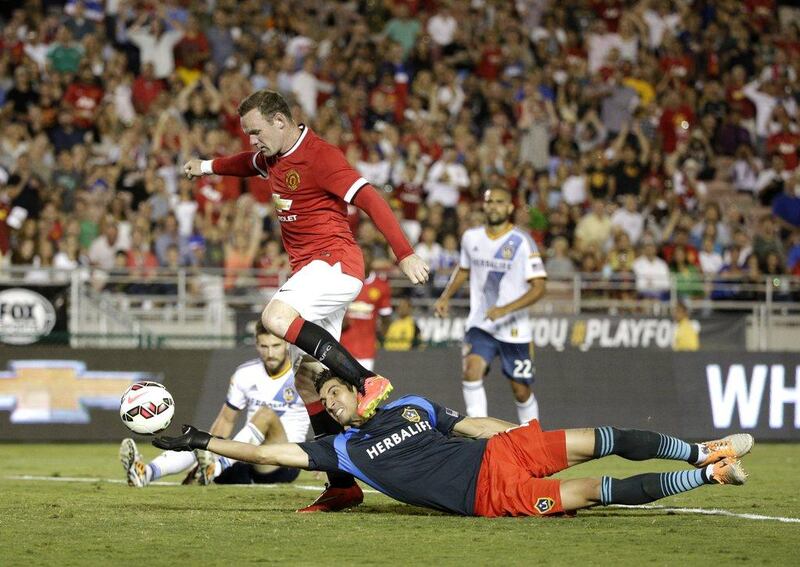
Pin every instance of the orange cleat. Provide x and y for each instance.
(335, 499)
(728, 471)
(735, 446)
(376, 390)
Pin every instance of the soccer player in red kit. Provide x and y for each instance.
(312, 183)
(371, 307)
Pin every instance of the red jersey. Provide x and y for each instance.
(786, 144)
(311, 185)
(144, 92)
(679, 67)
(84, 99)
(674, 126)
(410, 196)
(374, 300)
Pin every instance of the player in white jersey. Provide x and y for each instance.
(265, 389)
(506, 276)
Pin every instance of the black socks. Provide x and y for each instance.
(320, 344)
(644, 488)
(638, 445)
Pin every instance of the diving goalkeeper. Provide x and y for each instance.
(421, 453)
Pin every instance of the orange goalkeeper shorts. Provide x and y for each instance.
(511, 479)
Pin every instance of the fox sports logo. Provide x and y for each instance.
(25, 316)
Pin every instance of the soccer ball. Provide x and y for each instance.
(146, 408)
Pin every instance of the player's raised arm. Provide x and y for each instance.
(278, 454)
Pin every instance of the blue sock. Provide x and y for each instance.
(638, 445)
(644, 488)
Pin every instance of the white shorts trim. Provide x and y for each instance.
(368, 363)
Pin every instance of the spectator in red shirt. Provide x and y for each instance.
(84, 96)
(675, 62)
(367, 316)
(191, 52)
(734, 93)
(490, 62)
(146, 89)
(676, 121)
(786, 141)
(681, 240)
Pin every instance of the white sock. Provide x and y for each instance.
(169, 462)
(702, 453)
(247, 434)
(527, 410)
(475, 398)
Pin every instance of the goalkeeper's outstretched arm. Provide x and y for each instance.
(277, 454)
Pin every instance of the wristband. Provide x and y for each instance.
(206, 168)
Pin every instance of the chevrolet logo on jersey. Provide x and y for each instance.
(280, 203)
(410, 414)
(61, 391)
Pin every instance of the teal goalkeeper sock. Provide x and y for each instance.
(644, 488)
(639, 445)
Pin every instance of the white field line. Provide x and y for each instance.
(668, 509)
(711, 512)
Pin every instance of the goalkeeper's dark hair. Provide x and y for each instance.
(268, 103)
(325, 376)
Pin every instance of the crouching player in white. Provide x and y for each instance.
(265, 388)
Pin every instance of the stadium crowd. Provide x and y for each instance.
(641, 138)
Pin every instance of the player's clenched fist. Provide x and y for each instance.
(415, 269)
(193, 168)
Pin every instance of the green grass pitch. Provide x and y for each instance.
(46, 522)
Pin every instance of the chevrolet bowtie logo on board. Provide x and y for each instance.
(61, 391)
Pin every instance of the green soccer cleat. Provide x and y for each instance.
(132, 462)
